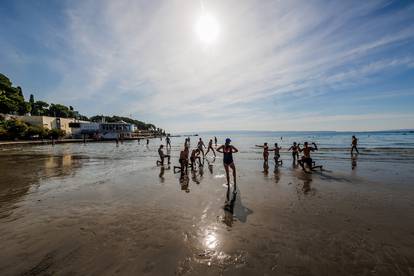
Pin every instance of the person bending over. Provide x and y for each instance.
(195, 155)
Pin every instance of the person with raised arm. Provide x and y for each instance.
(306, 158)
(265, 151)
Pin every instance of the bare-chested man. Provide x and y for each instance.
(306, 158)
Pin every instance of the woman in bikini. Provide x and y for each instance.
(228, 151)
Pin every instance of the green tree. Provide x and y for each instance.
(38, 131)
(41, 108)
(56, 133)
(11, 98)
(16, 129)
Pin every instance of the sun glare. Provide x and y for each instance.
(207, 28)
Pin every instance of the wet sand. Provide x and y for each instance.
(104, 210)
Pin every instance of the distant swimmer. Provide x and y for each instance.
(200, 146)
(295, 151)
(228, 151)
(184, 161)
(306, 158)
(277, 154)
(265, 152)
(354, 144)
(168, 141)
(195, 155)
(210, 147)
(162, 155)
(215, 140)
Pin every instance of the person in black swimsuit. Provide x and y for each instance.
(228, 151)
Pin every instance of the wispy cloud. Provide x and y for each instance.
(143, 57)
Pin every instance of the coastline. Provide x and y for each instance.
(65, 141)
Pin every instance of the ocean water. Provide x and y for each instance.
(386, 146)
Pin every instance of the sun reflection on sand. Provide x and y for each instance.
(211, 241)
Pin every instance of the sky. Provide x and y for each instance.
(260, 65)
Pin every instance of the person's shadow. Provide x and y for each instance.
(233, 208)
(184, 182)
(162, 171)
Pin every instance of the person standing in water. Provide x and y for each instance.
(215, 140)
(227, 150)
(200, 146)
(354, 145)
(265, 152)
(147, 141)
(295, 151)
(210, 147)
(184, 161)
(168, 142)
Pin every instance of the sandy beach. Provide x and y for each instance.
(98, 209)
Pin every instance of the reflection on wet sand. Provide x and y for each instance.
(184, 182)
(265, 168)
(354, 161)
(210, 164)
(68, 217)
(21, 173)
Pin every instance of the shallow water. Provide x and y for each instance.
(98, 209)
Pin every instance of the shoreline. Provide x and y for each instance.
(64, 141)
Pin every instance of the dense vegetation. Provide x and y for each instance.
(12, 102)
(16, 129)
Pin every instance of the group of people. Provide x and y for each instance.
(197, 155)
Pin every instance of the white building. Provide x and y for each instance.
(107, 131)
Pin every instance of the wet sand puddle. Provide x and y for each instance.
(101, 210)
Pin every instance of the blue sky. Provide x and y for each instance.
(275, 65)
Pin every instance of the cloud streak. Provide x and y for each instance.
(143, 58)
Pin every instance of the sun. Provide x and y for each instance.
(207, 28)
